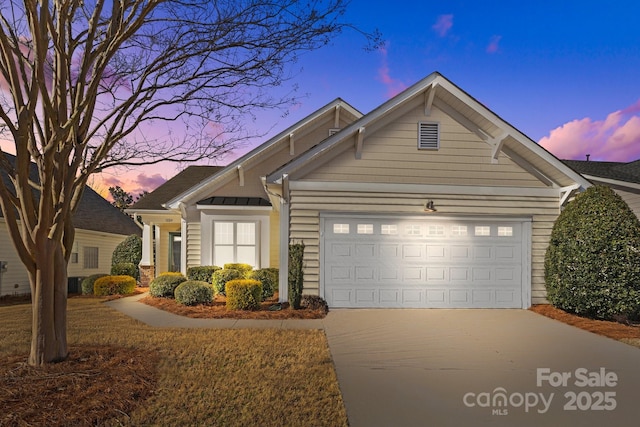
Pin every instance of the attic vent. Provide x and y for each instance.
(428, 136)
(333, 131)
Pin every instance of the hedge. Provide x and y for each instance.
(114, 285)
(244, 294)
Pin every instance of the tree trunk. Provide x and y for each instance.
(49, 306)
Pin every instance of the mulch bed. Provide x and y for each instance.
(94, 385)
(609, 329)
(269, 309)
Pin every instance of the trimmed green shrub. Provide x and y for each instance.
(314, 302)
(194, 292)
(244, 269)
(124, 269)
(244, 294)
(88, 282)
(221, 277)
(203, 273)
(592, 264)
(165, 285)
(269, 279)
(129, 250)
(296, 274)
(114, 285)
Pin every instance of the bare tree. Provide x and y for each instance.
(84, 83)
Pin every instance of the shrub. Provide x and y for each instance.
(296, 274)
(194, 292)
(221, 277)
(592, 264)
(165, 285)
(203, 273)
(88, 282)
(244, 269)
(114, 285)
(269, 279)
(129, 250)
(314, 302)
(243, 294)
(124, 269)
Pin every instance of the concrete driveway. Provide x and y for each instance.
(479, 367)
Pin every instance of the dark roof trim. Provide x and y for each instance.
(234, 201)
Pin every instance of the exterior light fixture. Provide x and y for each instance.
(430, 207)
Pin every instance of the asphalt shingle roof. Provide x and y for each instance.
(180, 183)
(235, 201)
(619, 171)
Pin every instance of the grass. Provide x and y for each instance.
(234, 377)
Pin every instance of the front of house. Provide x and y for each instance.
(429, 201)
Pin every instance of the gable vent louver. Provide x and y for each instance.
(428, 136)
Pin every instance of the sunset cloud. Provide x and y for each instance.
(616, 138)
(443, 25)
(394, 86)
(149, 182)
(494, 44)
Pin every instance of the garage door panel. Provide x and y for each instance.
(396, 262)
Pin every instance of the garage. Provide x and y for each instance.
(425, 262)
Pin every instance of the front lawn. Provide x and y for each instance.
(121, 371)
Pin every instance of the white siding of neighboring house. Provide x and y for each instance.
(16, 281)
(632, 199)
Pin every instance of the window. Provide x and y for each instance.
(435, 230)
(389, 229)
(458, 230)
(175, 251)
(365, 228)
(90, 257)
(505, 231)
(340, 228)
(74, 253)
(235, 242)
(428, 136)
(483, 230)
(413, 230)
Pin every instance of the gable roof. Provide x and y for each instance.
(180, 183)
(612, 172)
(94, 212)
(203, 189)
(436, 90)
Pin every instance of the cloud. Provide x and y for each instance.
(494, 44)
(443, 25)
(616, 138)
(149, 182)
(394, 86)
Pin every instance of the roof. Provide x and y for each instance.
(436, 90)
(201, 189)
(94, 212)
(192, 175)
(234, 201)
(617, 171)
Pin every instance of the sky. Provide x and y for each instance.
(565, 73)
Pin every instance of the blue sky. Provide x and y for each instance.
(565, 73)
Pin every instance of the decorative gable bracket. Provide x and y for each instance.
(359, 142)
(566, 192)
(496, 144)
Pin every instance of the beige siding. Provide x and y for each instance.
(307, 205)
(274, 239)
(194, 241)
(390, 154)
(632, 199)
(162, 246)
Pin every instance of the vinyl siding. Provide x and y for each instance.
(632, 199)
(194, 242)
(307, 205)
(162, 246)
(390, 155)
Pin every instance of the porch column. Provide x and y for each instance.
(147, 270)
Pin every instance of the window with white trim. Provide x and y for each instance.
(435, 230)
(458, 230)
(388, 229)
(365, 228)
(428, 136)
(340, 228)
(483, 230)
(413, 230)
(235, 242)
(505, 231)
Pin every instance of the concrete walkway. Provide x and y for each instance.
(461, 367)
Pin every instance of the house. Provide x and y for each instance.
(623, 178)
(429, 200)
(100, 227)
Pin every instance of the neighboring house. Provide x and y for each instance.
(100, 227)
(623, 178)
(430, 200)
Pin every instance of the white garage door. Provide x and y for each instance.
(424, 262)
